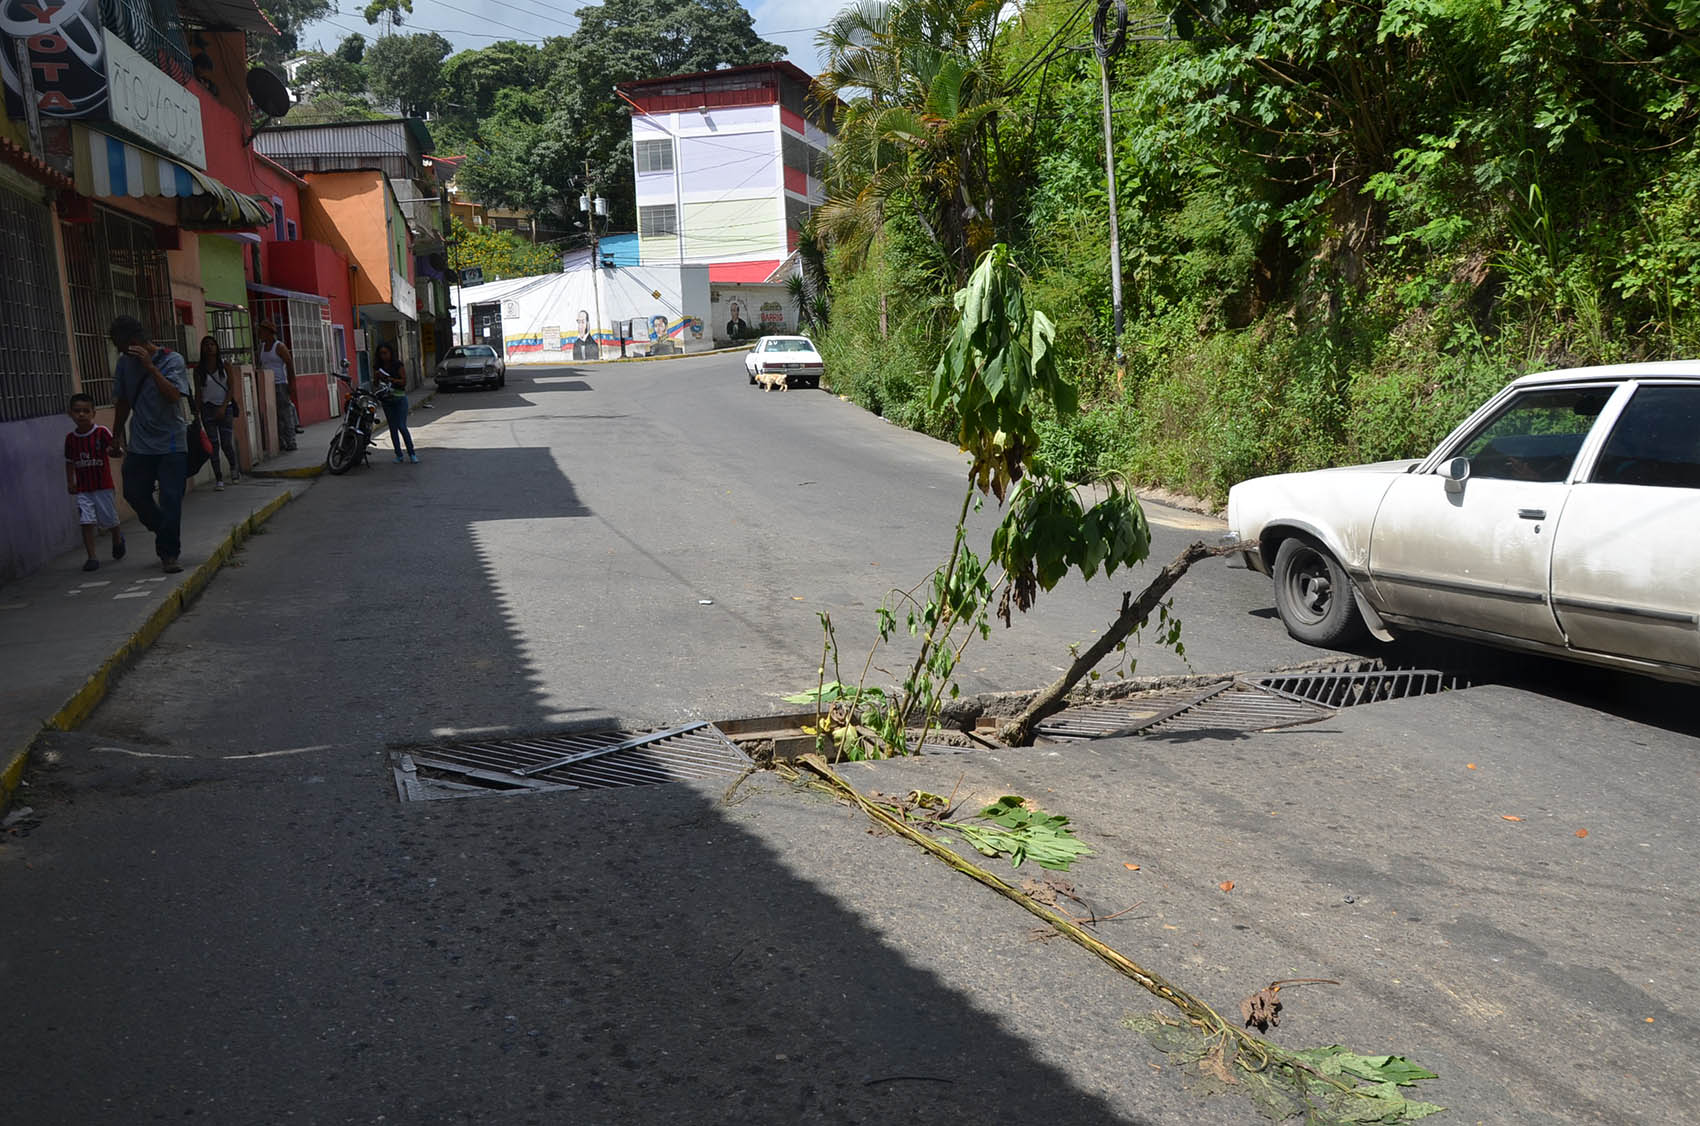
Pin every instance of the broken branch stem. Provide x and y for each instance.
(1018, 732)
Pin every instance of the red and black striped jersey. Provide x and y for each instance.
(87, 455)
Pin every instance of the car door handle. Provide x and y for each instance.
(1531, 514)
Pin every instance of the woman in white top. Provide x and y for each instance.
(215, 390)
(275, 358)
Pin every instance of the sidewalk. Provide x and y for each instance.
(308, 458)
(65, 632)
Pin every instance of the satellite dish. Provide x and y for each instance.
(268, 93)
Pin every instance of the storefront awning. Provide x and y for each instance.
(107, 167)
(747, 273)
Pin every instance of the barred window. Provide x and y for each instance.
(231, 326)
(654, 222)
(115, 268)
(654, 155)
(35, 365)
(300, 328)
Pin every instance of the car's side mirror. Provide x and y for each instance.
(1456, 472)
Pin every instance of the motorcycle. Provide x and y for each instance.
(353, 438)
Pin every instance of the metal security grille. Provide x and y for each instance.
(592, 760)
(233, 328)
(301, 327)
(115, 268)
(35, 366)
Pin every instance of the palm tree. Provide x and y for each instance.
(919, 130)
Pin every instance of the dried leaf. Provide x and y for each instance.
(1215, 1064)
(1226, 885)
(1135, 867)
(1509, 817)
(1262, 1008)
(1469, 766)
(1581, 832)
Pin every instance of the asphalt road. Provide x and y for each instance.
(225, 915)
(648, 543)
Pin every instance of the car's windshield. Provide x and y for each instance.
(478, 351)
(790, 344)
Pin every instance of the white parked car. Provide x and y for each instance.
(785, 362)
(1563, 517)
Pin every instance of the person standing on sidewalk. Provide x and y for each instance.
(387, 371)
(275, 358)
(213, 390)
(151, 386)
(88, 477)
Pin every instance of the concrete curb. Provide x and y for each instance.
(300, 472)
(82, 702)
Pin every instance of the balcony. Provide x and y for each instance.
(156, 36)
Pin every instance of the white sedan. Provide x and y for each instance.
(785, 362)
(1563, 517)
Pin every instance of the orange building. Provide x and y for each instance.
(373, 196)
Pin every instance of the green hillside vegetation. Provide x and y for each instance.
(1343, 224)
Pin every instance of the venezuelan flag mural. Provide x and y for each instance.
(644, 311)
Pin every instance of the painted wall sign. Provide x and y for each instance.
(149, 103)
(66, 49)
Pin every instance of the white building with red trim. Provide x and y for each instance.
(728, 167)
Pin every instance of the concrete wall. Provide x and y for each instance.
(349, 211)
(41, 517)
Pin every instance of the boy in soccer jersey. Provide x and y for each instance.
(88, 477)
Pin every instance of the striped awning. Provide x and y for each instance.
(106, 167)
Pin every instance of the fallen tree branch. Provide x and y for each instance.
(1018, 732)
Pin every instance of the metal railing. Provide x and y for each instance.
(157, 36)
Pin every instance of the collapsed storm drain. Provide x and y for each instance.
(1260, 702)
(589, 760)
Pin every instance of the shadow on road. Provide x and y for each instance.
(232, 943)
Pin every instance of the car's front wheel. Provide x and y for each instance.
(1314, 595)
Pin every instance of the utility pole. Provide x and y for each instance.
(1107, 41)
(593, 206)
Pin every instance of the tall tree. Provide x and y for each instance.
(289, 17)
(408, 70)
(340, 72)
(539, 164)
(473, 79)
(921, 130)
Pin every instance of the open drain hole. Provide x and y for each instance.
(587, 760)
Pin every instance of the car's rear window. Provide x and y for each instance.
(789, 346)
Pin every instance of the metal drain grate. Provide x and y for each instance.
(1348, 689)
(591, 760)
(1117, 718)
(1240, 708)
(1253, 703)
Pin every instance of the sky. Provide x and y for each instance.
(479, 23)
